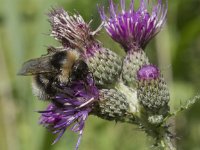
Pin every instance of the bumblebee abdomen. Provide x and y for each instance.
(42, 86)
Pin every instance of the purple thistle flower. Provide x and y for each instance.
(132, 28)
(71, 30)
(70, 108)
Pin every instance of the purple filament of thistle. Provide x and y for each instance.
(134, 28)
(148, 72)
(70, 111)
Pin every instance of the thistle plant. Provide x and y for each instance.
(123, 89)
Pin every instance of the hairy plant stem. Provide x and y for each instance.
(167, 143)
(162, 137)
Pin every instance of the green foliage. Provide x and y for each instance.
(23, 35)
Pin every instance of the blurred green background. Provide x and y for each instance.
(23, 35)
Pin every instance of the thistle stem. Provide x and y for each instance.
(167, 143)
(163, 138)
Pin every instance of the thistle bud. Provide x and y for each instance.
(152, 91)
(105, 66)
(113, 105)
(132, 63)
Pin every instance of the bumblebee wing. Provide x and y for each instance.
(37, 66)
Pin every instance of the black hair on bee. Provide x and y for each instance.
(51, 70)
(79, 70)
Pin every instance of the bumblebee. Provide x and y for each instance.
(58, 67)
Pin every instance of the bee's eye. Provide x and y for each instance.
(58, 58)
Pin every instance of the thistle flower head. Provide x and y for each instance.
(70, 107)
(71, 30)
(132, 28)
(152, 91)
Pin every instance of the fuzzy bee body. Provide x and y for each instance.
(54, 69)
